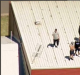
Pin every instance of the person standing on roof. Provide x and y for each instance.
(77, 47)
(55, 38)
(79, 30)
(72, 48)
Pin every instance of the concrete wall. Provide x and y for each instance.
(13, 24)
(16, 33)
(4, 8)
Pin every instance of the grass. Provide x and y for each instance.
(4, 25)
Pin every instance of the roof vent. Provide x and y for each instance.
(37, 23)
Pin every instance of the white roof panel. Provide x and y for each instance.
(51, 14)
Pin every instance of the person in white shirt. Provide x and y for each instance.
(55, 38)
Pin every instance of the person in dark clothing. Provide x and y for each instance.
(79, 30)
(77, 47)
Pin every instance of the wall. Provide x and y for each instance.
(71, 71)
(13, 24)
(16, 33)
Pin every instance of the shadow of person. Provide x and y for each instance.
(67, 57)
(51, 45)
(76, 38)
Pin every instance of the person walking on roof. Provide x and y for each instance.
(55, 38)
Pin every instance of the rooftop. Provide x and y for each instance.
(63, 15)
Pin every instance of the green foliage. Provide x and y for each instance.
(4, 25)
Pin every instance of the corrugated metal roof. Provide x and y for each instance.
(63, 15)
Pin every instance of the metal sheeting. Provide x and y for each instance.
(51, 14)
